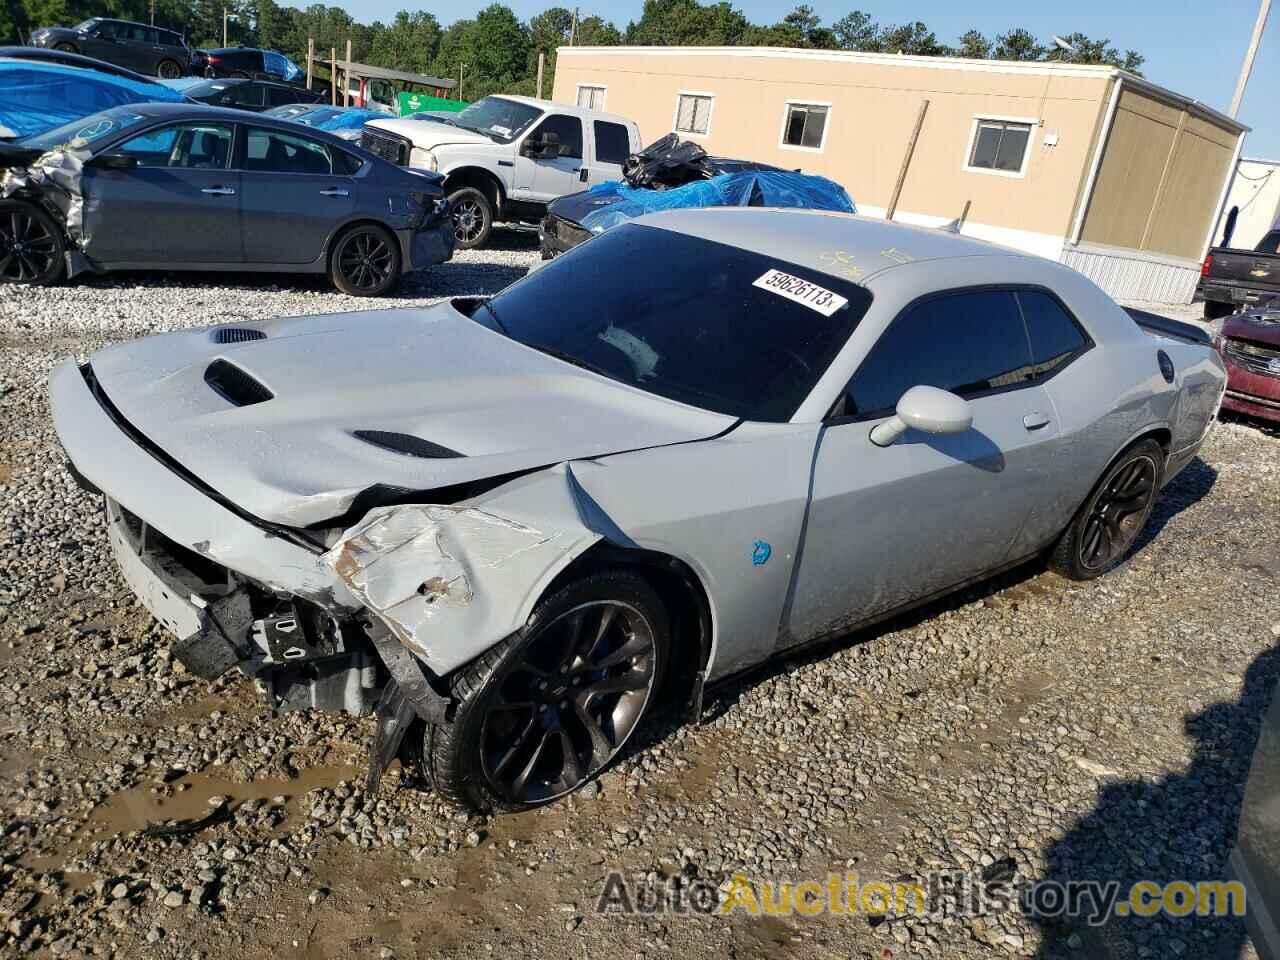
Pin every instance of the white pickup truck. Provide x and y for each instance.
(505, 158)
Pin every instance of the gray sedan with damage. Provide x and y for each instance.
(510, 525)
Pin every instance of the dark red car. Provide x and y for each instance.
(1250, 347)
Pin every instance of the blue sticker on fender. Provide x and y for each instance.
(760, 553)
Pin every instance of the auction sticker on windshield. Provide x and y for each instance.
(801, 291)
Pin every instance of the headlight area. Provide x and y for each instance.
(423, 159)
(299, 655)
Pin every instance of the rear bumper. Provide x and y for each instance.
(1224, 292)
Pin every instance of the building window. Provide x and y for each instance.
(693, 113)
(804, 125)
(999, 146)
(590, 97)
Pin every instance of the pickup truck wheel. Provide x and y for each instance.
(365, 261)
(32, 250)
(551, 706)
(472, 217)
(1214, 310)
(1105, 529)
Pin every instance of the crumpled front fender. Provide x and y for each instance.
(450, 581)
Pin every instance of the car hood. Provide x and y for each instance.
(574, 206)
(472, 404)
(431, 134)
(1261, 326)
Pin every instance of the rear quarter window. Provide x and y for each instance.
(612, 143)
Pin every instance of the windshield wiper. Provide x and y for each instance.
(569, 358)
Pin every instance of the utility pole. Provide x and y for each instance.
(542, 59)
(224, 26)
(346, 78)
(153, 12)
(573, 28)
(461, 65)
(333, 75)
(311, 59)
(1247, 67)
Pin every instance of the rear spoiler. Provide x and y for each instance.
(1167, 327)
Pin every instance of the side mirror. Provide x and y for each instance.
(927, 409)
(116, 161)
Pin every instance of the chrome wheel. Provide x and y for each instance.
(28, 250)
(468, 221)
(1118, 513)
(366, 260)
(565, 708)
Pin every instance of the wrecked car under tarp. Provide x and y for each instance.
(35, 97)
(671, 174)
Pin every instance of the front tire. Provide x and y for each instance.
(365, 261)
(32, 250)
(550, 707)
(1105, 529)
(472, 218)
(66, 47)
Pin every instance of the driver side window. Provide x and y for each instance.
(967, 342)
(568, 129)
(190, 146)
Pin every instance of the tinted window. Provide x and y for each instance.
(612, 142)
(568, 129)
(688, 319)
(345, 164)
(108, 29)
(963, 342)
(277, 96)
(172, 39)
(196, 146)
(247, 94)
(270, 151)
(1054, 335)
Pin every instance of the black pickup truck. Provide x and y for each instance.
(1232, 278)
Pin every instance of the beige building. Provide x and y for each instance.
(1089, 165)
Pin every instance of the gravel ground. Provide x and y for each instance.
(1029, 729)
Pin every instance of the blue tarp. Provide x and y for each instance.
(619, 203)
(35, 97)
(352, 118)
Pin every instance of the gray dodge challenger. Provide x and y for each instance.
(510, 525)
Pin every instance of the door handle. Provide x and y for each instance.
(1034, 421)
(219, 191)
(334, 192)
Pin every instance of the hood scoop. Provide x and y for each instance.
(407, 444)
(234, 385)
(236, 335)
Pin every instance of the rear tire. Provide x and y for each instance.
(32, 248)
(531, 725)
(1104, 530)
(168, 70)
(472, 215)
(1214, 310)
(365, 261)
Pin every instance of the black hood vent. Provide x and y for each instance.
(407, 444)
(236, 335)
(235, 385)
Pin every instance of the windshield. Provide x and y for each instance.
(85, 131)
(704, 323)
(501, 119)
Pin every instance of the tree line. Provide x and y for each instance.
(496, 52)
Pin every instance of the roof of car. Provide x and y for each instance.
(201, 111)
(834, 243)
(569, 108)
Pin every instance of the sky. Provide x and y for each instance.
(1194, 48)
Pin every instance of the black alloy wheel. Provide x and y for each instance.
(1109, 523)
(168, 70)
(366, 262)
(472, 217)
(569, 703)
(31, 248)
(1118, 513)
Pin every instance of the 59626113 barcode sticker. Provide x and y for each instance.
(801, 291)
